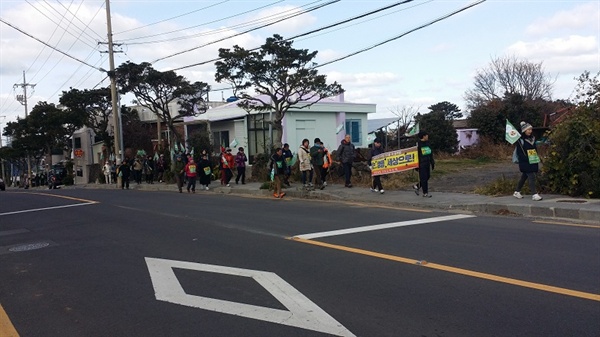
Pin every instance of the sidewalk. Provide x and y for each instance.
(552, 206)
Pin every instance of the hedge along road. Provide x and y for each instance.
(94, 277)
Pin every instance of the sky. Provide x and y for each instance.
(431, 65)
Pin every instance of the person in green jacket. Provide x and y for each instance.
(316, 155)
(179, 172)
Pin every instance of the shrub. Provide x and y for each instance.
(572, 164)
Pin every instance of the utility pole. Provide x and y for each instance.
(23, 100)
(113, 86)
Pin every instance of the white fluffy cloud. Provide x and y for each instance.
(583, 16)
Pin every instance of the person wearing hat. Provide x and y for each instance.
(240, 163)
(528, 161)
(375, 151)
(179, 172)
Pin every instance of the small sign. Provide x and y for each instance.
(78, 153)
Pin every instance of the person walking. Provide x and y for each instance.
(204, 170)
(288, 155)
(191, 170)
(277, 166)
(106, 171)
(306, 167)
(124, 171)
(240, 163)
(345, 154)
(528, 161)
(426, 164)
(327, 161)
(316, 155)
(375, 151)
(179, 172)
(228, 164)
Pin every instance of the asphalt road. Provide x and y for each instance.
(134, 263)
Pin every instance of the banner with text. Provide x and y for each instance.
(395, 161)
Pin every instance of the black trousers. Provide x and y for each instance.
(241, 173)
(347, 172)
(377, 183)
(228, 175)
(527, 176)
(424, 174)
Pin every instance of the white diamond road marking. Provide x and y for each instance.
(301, 313)
(382, 226)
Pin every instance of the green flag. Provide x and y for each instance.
(512, 135)
(413, 131)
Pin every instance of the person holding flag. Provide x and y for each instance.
(228, 164)
(191, 173)
(528, 160)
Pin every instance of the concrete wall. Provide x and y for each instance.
(300, 125)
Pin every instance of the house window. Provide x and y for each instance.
(220, 138)
(77, 143)
(258, 135)
(353, 128)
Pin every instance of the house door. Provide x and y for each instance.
(305, 128)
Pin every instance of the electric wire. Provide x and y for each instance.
(403, 34)
(172, 18)
(44, 14)
(88, 24)
(314, 30)
(63, 15)
(249, 30)
(45, 43)
(215, 31)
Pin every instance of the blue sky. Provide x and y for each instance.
(428, 66)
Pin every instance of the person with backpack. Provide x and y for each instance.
(426, 164)
(528, 160)
(305, 164)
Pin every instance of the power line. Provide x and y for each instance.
(175, 17)
(46, 44)
(250, 30)
(88, 24)
(314, 30)
(63, 15)
(403, 34)
(214, 31)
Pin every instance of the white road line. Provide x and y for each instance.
(383, 226)
(46, 208)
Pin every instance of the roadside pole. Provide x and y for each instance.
(113, 92)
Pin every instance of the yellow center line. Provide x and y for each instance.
(64, 197)
(6, 327)
(466, 272)
(564, 224)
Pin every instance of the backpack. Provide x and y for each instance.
(515, 156)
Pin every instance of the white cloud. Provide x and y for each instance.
(364, 79)
(582, 16)
(327, 55)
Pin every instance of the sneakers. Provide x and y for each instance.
(228, 185)
(206, 188)
(276, 195)
(374, 189)
(416, 189)
(324, 183)
(282, 195)
(381, 191)
(536, 197)
(518, 195)
(426, 195)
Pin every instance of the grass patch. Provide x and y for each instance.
(502, 186)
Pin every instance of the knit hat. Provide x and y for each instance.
(525, 126)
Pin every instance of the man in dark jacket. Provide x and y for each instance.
(179, 172)
(124, 170)
(288, 155)
(345, 154)
(426, 164)
(375, 151)
(528, 161)
(316, 156)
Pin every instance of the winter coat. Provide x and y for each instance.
(345, 153)
(179, 166)
(124, 170)
(229, 161)
(202, 166)
(191, 170)
(240, 159)
(525, 148)
(375, 151)
(304, 159)
(425, 155)
(278, 163)
(316, 153)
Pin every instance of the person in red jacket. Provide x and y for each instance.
(228, 165)
(191, 173)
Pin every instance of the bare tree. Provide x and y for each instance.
(510, 75)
